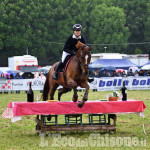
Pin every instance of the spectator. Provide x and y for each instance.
(141, 73)
(42, 76)
(29, 76)
(114, 74)
(11, 76)
(119, 74)
(18, 76)
(36, 75)
(103, 74)
(136, 74)
(7, 76)
(108, 74)
(96, 73)
(148, 73)
(144, 73)
(2, 76)
(130, 73)
(124, 74)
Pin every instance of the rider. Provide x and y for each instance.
(70, 47)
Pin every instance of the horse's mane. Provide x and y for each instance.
(80, 45)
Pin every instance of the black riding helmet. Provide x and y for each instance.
(77, 27)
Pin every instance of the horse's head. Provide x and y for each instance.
(84, 57)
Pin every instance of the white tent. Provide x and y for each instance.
(146, 67)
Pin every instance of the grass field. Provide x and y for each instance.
(22, 135)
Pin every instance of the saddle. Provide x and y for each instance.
(65, 65)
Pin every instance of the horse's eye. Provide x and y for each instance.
(82, 56)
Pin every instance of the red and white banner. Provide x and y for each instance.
(6, 85)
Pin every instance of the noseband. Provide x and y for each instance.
(84, 64)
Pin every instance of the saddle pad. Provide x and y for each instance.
(66, 62)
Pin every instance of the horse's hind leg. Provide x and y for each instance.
(62, 91)
(52, 90)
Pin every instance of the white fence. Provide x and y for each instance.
(101, 84)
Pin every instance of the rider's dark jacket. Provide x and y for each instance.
(70, 44)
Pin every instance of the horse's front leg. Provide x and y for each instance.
(73, 85)
(75, 96)
(85, 97)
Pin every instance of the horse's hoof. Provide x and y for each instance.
(80, 105)
(49, 118)
(74, 100)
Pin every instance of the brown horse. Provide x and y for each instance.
(76, 75)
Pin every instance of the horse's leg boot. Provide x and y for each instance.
(55, 75)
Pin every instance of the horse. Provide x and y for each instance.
(76, 75)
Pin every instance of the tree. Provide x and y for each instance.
(147, 29)
(135, 12)
(107, 26)
(42, 26)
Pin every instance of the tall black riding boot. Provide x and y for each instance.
(55, 75)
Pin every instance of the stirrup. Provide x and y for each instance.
(55, 76)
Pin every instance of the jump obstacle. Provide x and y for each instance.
(101, 114)
(74, 122)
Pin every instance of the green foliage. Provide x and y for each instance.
(147, 25)
(138, 51)
(135, 19)
(44, 25)
(108, 24)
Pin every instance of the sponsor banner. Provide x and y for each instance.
(21, 84)
(115, 83)
(101, 84)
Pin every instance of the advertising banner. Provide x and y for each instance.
(115, 83)
(101, 84)
(21, 84)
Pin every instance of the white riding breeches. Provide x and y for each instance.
(64, 55)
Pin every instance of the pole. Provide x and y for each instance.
(27, 50)
(105, 49)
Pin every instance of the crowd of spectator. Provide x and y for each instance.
(19, 75)
(97, 73)
(26, 75)
(105, 73)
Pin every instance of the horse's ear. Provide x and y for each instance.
(78, 44)
(82, 46)
(91, 48)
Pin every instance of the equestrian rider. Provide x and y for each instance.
(70, 47)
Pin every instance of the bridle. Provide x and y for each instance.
(84, 65)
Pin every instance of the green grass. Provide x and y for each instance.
(22, 134)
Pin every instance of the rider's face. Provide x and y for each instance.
(77, 33)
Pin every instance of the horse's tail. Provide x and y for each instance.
(46, 89)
